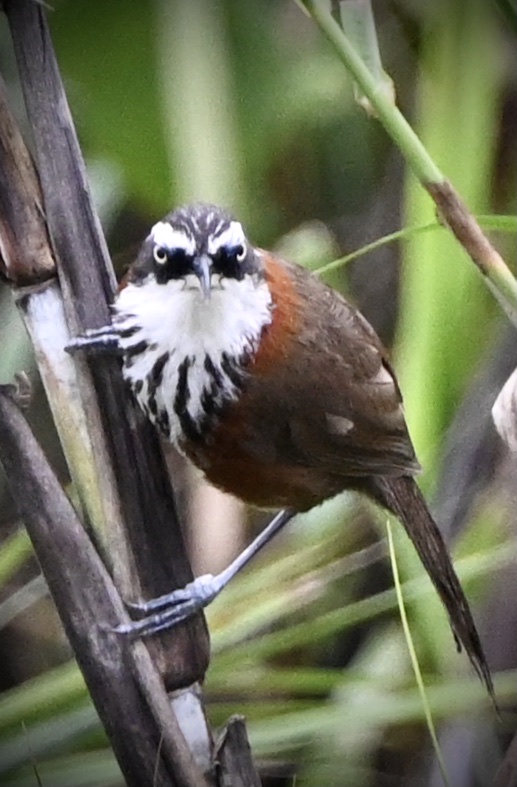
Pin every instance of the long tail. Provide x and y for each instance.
(403, 497)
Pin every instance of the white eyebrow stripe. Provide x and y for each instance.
(232, 236)
(218, 228)
(169, 238)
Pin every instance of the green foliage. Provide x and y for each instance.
(252, 109)
(107, 53)
(446, 311)
(15, 550)
(288, 612)
(414, 659)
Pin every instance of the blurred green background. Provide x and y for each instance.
(245, 104)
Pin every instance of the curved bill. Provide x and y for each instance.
(202, 266)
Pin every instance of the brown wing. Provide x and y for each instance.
(332, 402)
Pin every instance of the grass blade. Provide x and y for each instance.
(414, 658)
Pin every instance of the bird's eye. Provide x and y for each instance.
(240, 253)
(160, 255)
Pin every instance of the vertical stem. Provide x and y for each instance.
(442, 326)
(444, 306)
(198, 101)
(392, 119)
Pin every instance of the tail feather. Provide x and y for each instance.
(403, 498)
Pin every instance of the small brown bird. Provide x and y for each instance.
(274, 386)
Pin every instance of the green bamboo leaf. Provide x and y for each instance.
(495, 223)
(56, 690)
(14, 552)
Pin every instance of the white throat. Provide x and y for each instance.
(176, 323)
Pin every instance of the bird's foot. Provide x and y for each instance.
(169, 610)
(95, 340)
(172, 608)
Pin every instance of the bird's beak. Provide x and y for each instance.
(202, 266)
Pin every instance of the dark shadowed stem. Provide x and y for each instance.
(113, 454)
(114, 458)
(233, 754)
(122, 679)
(506, 775)
(139, 529)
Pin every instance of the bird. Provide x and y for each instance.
(274, 386)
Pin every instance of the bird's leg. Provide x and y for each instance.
(170, 609)
(95, 341)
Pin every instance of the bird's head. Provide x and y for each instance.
(200, 246)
